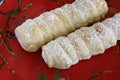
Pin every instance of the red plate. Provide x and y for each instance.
(22, 65)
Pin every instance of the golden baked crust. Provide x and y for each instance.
(59, 22)
(82, 43)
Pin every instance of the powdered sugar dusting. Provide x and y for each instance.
(27, 35)
(81, 6)
(51, 17)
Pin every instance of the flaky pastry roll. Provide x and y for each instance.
(34, 33)
(64, 52)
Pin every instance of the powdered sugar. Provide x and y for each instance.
(51, 17)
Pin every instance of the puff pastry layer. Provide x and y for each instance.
(64, 52)
(34, 33)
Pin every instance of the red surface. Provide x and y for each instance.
(28, 65)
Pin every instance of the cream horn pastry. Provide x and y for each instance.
(81, 44)
(34, 33)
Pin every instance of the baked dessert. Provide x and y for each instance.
(34, 33)
(64, 52)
